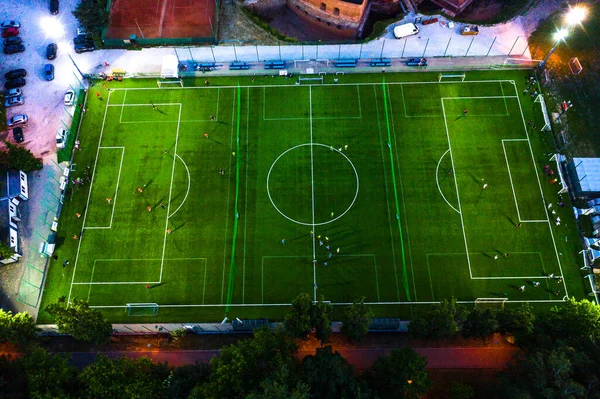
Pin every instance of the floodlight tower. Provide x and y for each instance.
(559, 36)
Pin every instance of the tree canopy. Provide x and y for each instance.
(18, 158)
(80, 321)
(442, 321)
(356, 320)
(92, 15)
(18, 329)
(298, 321)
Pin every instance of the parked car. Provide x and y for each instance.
(12, 83)
(18, 135)
(13, 101)
(10, 24)
(12, 40)
(51, 51)
(15, 73)
(83, 39)
(69, 97)
(14, 48)
(49, 72)
(12, 93)
(53, 7)
(17, 120)
(10, 32)
(61, 138)
(85, 47)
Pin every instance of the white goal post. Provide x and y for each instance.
(142, 309)
(174, 82)
(490, 303)
(452, 76)
(547, 125)
(309, 80)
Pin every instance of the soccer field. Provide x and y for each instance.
(404, 192)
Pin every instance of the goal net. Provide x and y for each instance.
(490, 303)
(452, 77)
(547, 126)
(302, 79)
(167, 83)
(520, 62)
(142, 309)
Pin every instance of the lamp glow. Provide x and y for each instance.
(52, 27)
(576, 15)
(560, 34)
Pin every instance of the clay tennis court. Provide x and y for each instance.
(151, 19)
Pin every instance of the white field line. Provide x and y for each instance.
(412, 268)
(247, 153)
(114, 202)
(320, 85)
(542, 195)
(188, 188)
(228, 196)
(310, 117)
(264, 305)
(162, 262)
(462, 221)
(403, 101)
(122, 105)
(511, 182)
(386, 191)
(437, 180)
(88, 198)
(312, 186)
(218, 96)
(505, 105)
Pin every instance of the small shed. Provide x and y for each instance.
(584, 174)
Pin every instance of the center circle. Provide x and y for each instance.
(324, 189)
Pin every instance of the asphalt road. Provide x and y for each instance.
(437, 358)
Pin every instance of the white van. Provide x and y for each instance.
(61, 138)
(405, 30)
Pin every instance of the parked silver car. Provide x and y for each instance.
(13, 101)
(17, 120)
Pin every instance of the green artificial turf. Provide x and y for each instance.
(390, 171)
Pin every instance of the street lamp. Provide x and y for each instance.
(576, 15)
(559, 36)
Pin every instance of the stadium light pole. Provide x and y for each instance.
(559, 36)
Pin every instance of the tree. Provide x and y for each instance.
(456, 390)
(329, 375)
(242, 367)
(5, 250)
(297, 322)
(19, 158)
(278, 386)
(81, 322)
(400, 375)
(48, 375)
(92, 15)
(182, 380)
(321, 319)
(18, 329)
(480, 323)
(442, 321)
(178, 334)
(518, 322)
(123, 378)
(356, 320)
(573, 322)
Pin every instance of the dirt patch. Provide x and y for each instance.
(483, 11)
(235, 26)
(291, 24)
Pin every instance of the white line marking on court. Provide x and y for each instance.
(542, 195)
(88, 198)
(162, 262)
(247, 153)
(188, 188)
(228, 195)
(386, 191)
(403, 100)
(462, 221)
(505, 105)
(437, 180)
(312, 186)
(218, 96)
(535, 221)
(122, 106)
(511, 182)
